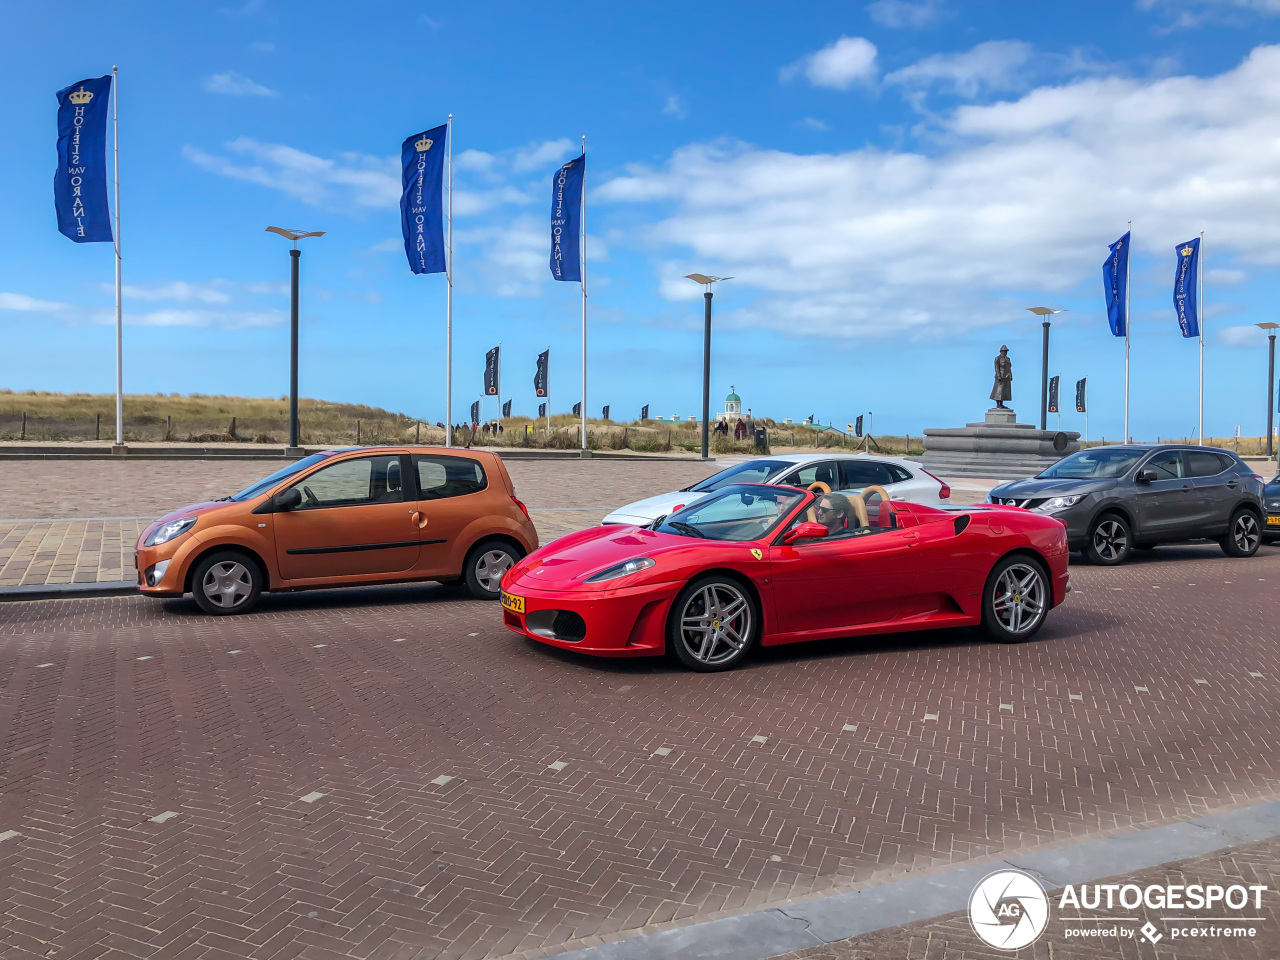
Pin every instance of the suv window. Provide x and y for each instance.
(862, 473)
(440, 477)
(1167, 464)
(1201, 463)
(351, 483)
(824, 471)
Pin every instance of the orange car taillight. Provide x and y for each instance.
(945, 492)
(523, 508)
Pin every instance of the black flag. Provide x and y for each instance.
(577, 409)
(542, 379)
(506, 409)
(475, 412)
(1053, 394)
(605, 416)
(492, 382)
(857, 426)
(644, 412)
(542, 410)
(1082, 391)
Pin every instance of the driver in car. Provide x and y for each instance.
(835, 512)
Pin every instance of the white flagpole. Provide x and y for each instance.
(115, 121)
(1128, 322)
(499, 382)
(1086, 399)
(448, 305)
(1201, 284)
(583, 228)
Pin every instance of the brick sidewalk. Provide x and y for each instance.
(952, 938)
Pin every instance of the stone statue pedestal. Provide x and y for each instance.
(999, 447)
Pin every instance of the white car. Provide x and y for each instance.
(904, 479)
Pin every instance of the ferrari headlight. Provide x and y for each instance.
(1059, 503)
(167, 531)
(634, 565)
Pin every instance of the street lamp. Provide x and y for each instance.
(294, 254)
(706, 281)
(1044, 313)
(1271, 376)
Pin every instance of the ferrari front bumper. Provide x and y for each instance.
(626, 622)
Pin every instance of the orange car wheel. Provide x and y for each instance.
(226, 581)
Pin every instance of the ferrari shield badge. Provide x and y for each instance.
(757, 553)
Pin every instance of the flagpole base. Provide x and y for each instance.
(120, 449)
(584, 454)
(295, 452)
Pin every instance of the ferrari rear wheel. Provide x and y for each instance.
(1016, 599)
(713, 624)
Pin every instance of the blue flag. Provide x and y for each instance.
(421, 200)
(80, 185)
(1184, 287)
(566, 219)
(1115, 285)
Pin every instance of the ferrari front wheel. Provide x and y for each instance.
(713, 624)
(1016, 599)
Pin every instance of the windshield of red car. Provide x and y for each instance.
(752, 471)
(1100, 462)
(738, 513)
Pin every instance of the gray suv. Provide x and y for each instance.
(1121, 498)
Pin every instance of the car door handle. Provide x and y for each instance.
(419, 518)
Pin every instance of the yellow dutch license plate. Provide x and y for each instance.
(1273, 521)
(514, 604)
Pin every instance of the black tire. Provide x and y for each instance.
(1110, 541)
(1244, 534)
(484, 567)
(226, 582)
(713, 624)
(1016, 599)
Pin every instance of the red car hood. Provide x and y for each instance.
(564, 564)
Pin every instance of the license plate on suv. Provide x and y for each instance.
(514, 604)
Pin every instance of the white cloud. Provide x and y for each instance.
(899, 14)
(675, 107)
(994, 65)
(516, 256)
(389, 245)
(219, 319)
(262, 46)
(1195, 13)
(1220, 277)
(1242, 337)
(177, 290)
(350, 179)
(1022, 195)
(476, 160)
(813, 123)
(539, 156)
(839, 66)
(237, 85)
(21, 302)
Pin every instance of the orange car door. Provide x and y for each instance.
(353, 521)
(452, 493)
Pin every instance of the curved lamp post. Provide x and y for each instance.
(1044, 313)
(294, 254)
(706, 281)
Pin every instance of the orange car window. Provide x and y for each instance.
(353, 482)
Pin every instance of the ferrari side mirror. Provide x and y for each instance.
(805, 531)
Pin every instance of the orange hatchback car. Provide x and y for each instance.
(343, 518)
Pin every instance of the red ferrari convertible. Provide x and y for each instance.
(764, 564)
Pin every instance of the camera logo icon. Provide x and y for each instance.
(1009, 910)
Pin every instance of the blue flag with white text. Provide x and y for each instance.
(1184, 287)
(421, 200)
(566, 219)
(1115, 284)
(80, 184)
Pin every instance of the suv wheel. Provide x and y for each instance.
(226, 581)
(1110, 541)
(1243, 535)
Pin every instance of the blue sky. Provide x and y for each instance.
(890, 183)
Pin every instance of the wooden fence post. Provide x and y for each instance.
(97, 426)
(357, 433)
(24, 424)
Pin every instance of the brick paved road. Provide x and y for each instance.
(483, 796)
(951, 937)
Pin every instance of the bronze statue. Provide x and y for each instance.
(1003, 389)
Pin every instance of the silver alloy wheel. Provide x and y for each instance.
(1019, 600)
(227, 584)
(715, 623)
(1245, 533)
(490, 567)
(1109, 540)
